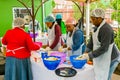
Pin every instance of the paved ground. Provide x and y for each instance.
(114, 77)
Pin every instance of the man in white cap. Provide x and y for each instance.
(75, 39)
(101, 47)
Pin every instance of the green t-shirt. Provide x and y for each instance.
(63, 27)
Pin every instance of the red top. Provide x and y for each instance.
(18, 40)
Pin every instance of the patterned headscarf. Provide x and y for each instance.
(71, 21)
(18, 22)
(98, 13)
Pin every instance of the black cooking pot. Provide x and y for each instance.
(2, 65)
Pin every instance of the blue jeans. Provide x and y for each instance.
(113, 66)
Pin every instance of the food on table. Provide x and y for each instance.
(90, 62)
(79, 58)
(63, 72)
(51, 58)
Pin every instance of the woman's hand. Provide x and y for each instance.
(44, 46)
(60, 49)
(48, 49)
(64, 46)
(69, 48)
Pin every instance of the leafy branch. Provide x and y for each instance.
(34, 13)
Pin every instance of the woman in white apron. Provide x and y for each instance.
(54, 34)
(100, 46)
(70, 41)
(75, 39)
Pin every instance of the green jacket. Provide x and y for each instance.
(63, 27)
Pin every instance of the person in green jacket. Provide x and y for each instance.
(62, 26)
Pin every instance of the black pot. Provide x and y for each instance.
(2, 65)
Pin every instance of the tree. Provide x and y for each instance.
(79, 13)
(34, 11)
(80, 10)
(117, 39)
(99, 4)
(116, 14)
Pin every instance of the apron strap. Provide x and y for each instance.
(13, 51)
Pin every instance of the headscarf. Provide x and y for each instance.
(98, 13)
(18, 22)
(49, 19)
(59, 16)
(71, 21)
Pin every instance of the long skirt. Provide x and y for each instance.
(18, 69)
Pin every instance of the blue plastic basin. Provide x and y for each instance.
(78, 64)
(51, 65)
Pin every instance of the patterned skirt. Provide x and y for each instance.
(18, 69)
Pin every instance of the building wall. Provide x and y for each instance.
(65, 8)
(6, 14)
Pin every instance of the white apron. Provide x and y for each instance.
(79, 50)
(13, 51)
(102, 62)
(51, 37)
(70, 43)
(69, 40)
